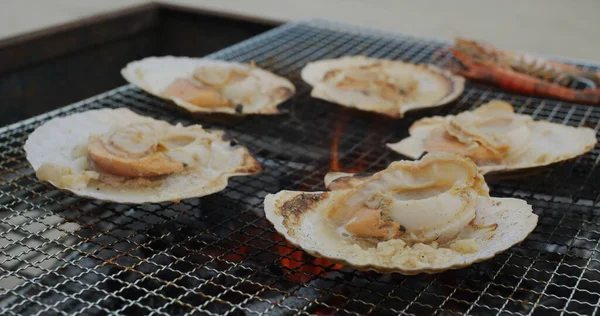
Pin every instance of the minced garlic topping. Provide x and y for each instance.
(398, 253)
(65, 176)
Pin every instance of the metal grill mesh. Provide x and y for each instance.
(218, 255)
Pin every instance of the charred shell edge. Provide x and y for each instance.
(379, 269)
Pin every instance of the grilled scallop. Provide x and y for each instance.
(497, 139)
(384, 86)
(210, 86)
(118, 155)
(426, 216)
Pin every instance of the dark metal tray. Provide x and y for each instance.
(60, 254)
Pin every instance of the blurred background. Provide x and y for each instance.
(558, 27)
(42, 40)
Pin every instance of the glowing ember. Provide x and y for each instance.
(237, 255)
(301, 266)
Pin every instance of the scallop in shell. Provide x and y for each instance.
(202, 85)
(384, 86)
(497, 138)
(427, 216)
(120, 156)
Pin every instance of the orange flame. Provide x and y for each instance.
(301, 267)
(335, 143)
(335, 161)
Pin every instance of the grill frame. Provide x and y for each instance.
(218, 254)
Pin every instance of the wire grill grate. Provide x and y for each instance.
(218, 255)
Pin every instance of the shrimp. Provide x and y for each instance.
(524, 73)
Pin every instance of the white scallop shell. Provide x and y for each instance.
(55, 141)
(429, 77)
(551, 143)
(154, 74)
(514, 218)
(301, 218)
